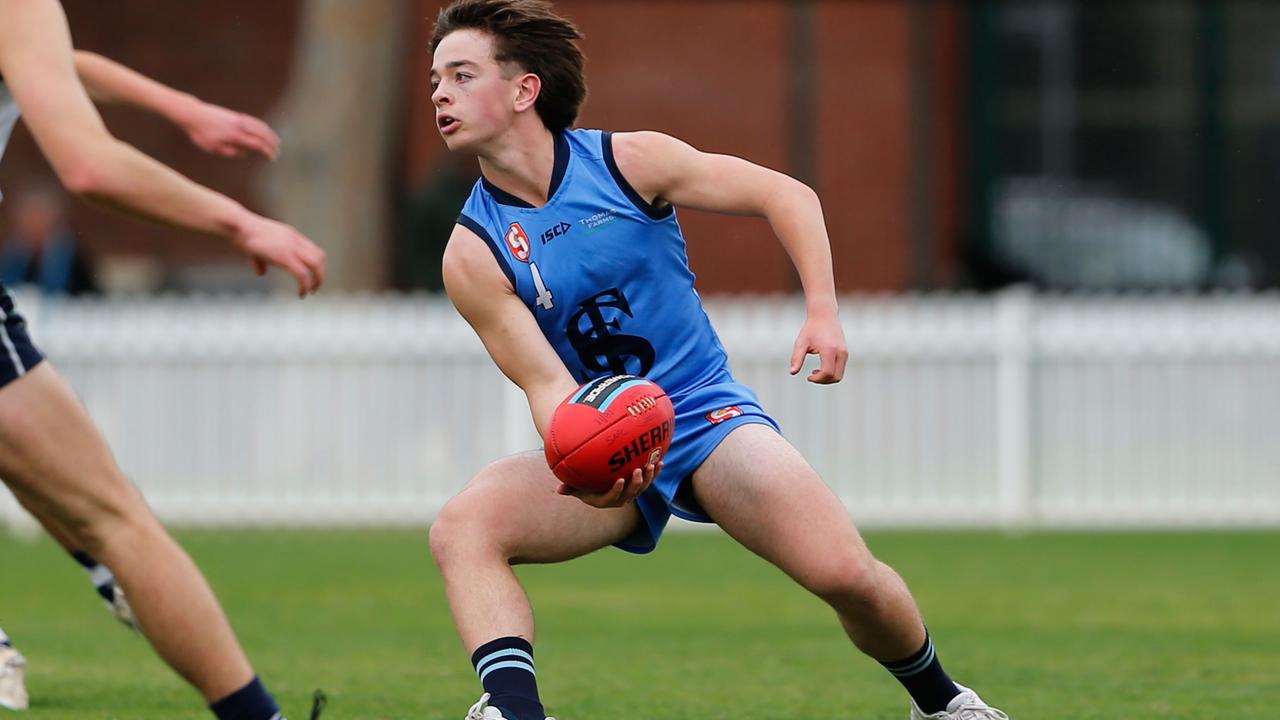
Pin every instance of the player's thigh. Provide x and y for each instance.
(53, 456)
(513, 502)
(765, 495)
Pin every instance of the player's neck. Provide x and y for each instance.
(521, 163)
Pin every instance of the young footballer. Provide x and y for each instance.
(569, 263)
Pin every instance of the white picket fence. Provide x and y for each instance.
(1011, 410)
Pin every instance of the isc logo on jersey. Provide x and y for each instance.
(716, 417)
(518, 241)
(556, 231)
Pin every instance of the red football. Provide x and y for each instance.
(608, 428)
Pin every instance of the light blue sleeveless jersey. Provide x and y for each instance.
(606, 275)
(604, 272)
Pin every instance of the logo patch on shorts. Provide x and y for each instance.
(518, 241)
(716, 417)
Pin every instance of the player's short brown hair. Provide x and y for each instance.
(528, 33)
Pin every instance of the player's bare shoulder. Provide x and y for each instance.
(652, 162)
(469, 265)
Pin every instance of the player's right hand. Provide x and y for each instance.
(268, 243)
(624, 490)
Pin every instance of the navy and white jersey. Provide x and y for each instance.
(8, 117)
(604, 272)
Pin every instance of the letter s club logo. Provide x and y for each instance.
(518, 241)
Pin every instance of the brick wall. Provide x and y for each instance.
(713, 73)
(717, 75)
(232, 53)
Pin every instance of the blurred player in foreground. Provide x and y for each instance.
(51, 455)
(569, 263)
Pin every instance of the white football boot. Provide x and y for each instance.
(13, 679)
(482, 711)
(965, 706)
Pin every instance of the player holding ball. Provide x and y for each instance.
(607, 430)
(568, 262)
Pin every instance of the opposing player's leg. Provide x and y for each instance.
(104, 581)
(508, 514)
(758, 488)
(54, 458)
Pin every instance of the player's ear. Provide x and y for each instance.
(528, 88)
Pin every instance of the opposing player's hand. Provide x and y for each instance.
(624, 490)
(228, 133)
(821, 336)
(268, 243)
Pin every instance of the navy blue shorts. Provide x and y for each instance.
(704, 418)
(17, 353)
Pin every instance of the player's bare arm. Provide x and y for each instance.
(485, 299)
(212, 128)
(37, 64)
(665, 170)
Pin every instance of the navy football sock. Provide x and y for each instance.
(251, 702)
(923, 677)
(505, 667)
(4, 639)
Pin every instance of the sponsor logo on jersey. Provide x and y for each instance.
(598, 220)
(518, 241)
(716, 417)
(552, 233)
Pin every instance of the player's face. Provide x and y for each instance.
(472, 93)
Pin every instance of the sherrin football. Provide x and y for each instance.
(607, 429)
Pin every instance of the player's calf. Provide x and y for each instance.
(875, 609)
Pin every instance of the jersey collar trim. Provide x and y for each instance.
(558, 169)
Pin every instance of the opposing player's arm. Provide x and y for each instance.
(485, 298)
(37, 64)
(36, 60)
(664, 169)
(214, 129)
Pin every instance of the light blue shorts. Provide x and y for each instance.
(704, 418)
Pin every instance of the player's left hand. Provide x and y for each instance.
(624, 490)
(228, 133)
(821, 336)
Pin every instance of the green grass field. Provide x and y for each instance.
(1073, 626)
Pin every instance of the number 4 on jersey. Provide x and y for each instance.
(544, 298)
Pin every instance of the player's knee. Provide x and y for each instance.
(459, 528)
(844, 580)
(442, 537)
